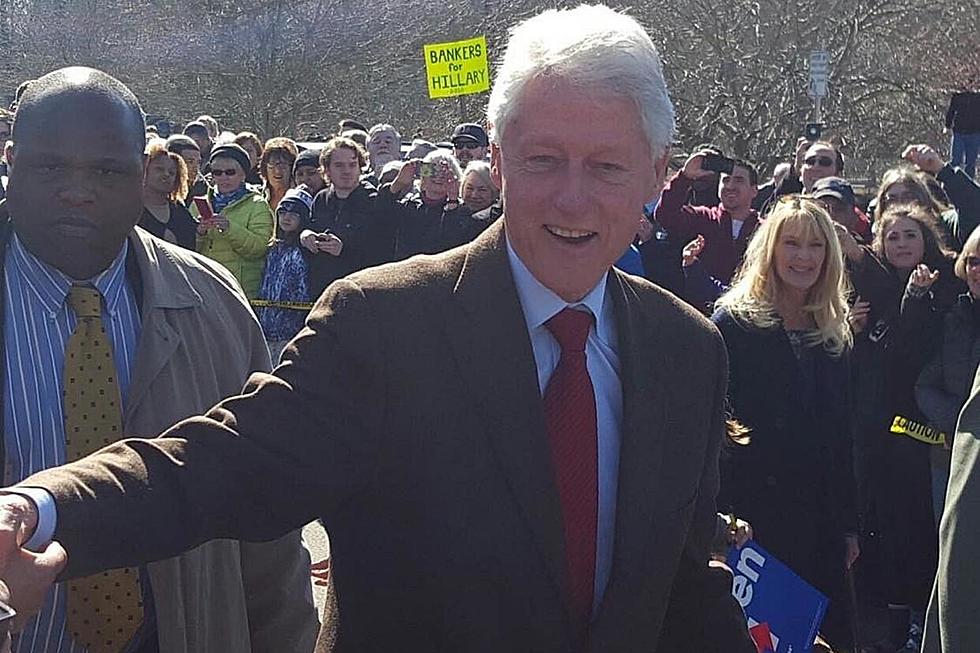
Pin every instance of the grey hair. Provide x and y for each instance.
(442, 156)
(592, 47)
(383, 127)
(482, 170)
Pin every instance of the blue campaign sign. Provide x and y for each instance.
(771, 594)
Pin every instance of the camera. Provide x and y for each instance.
(812, 131)
(718, 163)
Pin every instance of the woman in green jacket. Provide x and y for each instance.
(238, 234)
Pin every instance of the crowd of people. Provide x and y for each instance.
(850, 326)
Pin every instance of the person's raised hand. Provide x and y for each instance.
(692, 167)
(849, 244)
(27, 575)
(923, 277)
(802, 145)
(452, 194)
(691, 251)
(858, 314)
(406, 176)
(924, 157)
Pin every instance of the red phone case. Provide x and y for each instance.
(204, 209)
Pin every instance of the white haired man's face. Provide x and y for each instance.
(575, 169)
(383, 147)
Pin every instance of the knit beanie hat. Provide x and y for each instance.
(297, 200)
(307, 158)
(231, 151)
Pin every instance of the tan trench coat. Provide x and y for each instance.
(198, 344)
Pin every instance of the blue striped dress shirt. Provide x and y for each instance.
(37, 325)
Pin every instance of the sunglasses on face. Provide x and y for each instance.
(903, 198)
(972, 262)
(467, 145)
(227, 172)
(824, 161)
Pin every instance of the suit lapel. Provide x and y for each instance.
(488, 336)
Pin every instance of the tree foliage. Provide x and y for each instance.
(736, 68)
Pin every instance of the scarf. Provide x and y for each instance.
(220, 201)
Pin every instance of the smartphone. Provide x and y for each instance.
(426, 169)
(204, 209)
(718, 163)
(812, 131)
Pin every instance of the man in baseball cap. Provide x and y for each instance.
(470, 143)
(837, 196)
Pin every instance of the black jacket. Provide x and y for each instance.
(424, 228)
(945, 382)
(182, 226)
(355, 221)
(794, 480)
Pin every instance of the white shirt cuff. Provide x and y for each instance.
(47, 516)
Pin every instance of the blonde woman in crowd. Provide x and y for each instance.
(784, 321)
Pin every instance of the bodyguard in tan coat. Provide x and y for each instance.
(182, 336)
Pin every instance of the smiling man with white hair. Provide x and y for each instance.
(513, 444)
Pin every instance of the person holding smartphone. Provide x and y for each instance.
(726, 228)
(235, 221)
(341, 235)
(434, 220)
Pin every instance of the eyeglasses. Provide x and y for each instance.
(227, 172)
(824, 161)
(278, 164)
(466, 145)
(903, 198)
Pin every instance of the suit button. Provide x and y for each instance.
(771, 481)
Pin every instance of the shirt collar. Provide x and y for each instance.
(51, 285)
(540, 303)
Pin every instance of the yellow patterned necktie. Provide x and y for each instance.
(105, 610)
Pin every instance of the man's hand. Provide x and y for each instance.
(308, 240)
(852, 250)
(691, 251)
(692, 167)
(406, 177)
(27, 575)
(330, 243)
(802, 145)
(924, 157)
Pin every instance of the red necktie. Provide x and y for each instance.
(569, 406)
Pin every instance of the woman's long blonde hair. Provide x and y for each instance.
(753, 295)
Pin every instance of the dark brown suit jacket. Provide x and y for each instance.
(407, 414)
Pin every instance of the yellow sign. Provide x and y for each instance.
(921, 432)
(457, 68)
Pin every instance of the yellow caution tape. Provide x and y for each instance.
(294, 306)
(915, 430)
